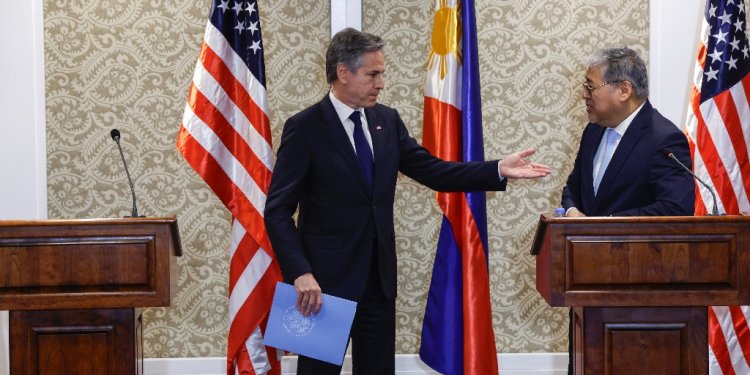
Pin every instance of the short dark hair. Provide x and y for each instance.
(347, 47)
(623, 64)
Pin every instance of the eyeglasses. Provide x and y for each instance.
(590, 88)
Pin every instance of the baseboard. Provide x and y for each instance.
(406, 364)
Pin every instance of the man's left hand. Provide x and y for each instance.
(516, 165)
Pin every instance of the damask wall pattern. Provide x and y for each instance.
(127, 65)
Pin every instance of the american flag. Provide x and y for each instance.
(718, 127)
(457, 334)
(226, 137)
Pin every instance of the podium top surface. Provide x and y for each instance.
(170, 221)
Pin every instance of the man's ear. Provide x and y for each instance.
(342, 73)
(626, 90)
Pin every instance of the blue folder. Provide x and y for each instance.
(323, 336)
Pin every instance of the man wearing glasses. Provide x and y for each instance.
(621, 168)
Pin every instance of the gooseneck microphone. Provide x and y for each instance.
(669, 154)
(116, 137)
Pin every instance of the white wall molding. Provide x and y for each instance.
(345, 13)
(23, 145)
(509, 364)
(673, 46)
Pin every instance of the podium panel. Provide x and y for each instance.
(96, 341)
(632, 340)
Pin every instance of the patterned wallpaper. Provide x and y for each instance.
(127, 64)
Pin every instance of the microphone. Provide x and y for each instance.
(115, 134)
(669, 154)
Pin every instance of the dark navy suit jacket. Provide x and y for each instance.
(339, 224)
(640, 180)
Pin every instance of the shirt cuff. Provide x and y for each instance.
(502, 178)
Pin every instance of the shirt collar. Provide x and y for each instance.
(620, 129)
(342, 110)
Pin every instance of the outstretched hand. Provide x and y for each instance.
(516, 165)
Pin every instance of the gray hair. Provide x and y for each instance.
(622, 64)
(347, 47)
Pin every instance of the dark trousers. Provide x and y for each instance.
(373, 335)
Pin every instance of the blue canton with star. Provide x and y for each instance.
(239, 21)
(727, 52)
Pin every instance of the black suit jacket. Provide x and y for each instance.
(339, 224)
(639, 180)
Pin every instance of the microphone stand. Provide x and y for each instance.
(715, 211)
(116, 137)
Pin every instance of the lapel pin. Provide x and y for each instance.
(378, 127)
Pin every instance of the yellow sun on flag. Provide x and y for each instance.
(446, 34)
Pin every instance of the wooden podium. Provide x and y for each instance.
(639, 286)
(75, 289)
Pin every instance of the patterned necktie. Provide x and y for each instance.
(364, 154)
(609, 150)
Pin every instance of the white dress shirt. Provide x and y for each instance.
(344, 111)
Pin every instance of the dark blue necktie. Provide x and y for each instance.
(364, 154)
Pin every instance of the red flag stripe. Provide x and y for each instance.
(726, 133)
(230, 138)
(248, 317)
(247, 292)
(741, 331)
(440, 139)
(700, 208)
(705, 148)
(243, 365)
(227, 162)
(717, 342)
(237, 96)
(717, 174)
(225, 176)
(234, 109)
(727, 321)
(238, 260)
(248, 281)
(242, 252)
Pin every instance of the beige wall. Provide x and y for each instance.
(127, 64)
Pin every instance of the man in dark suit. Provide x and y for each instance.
(337, 166)
(621, 168)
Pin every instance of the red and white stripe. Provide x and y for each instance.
(226, 137)
(718, 131)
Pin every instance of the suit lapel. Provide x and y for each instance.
(335, 132)
(629, 141)
(377, 134)
(589, 147)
